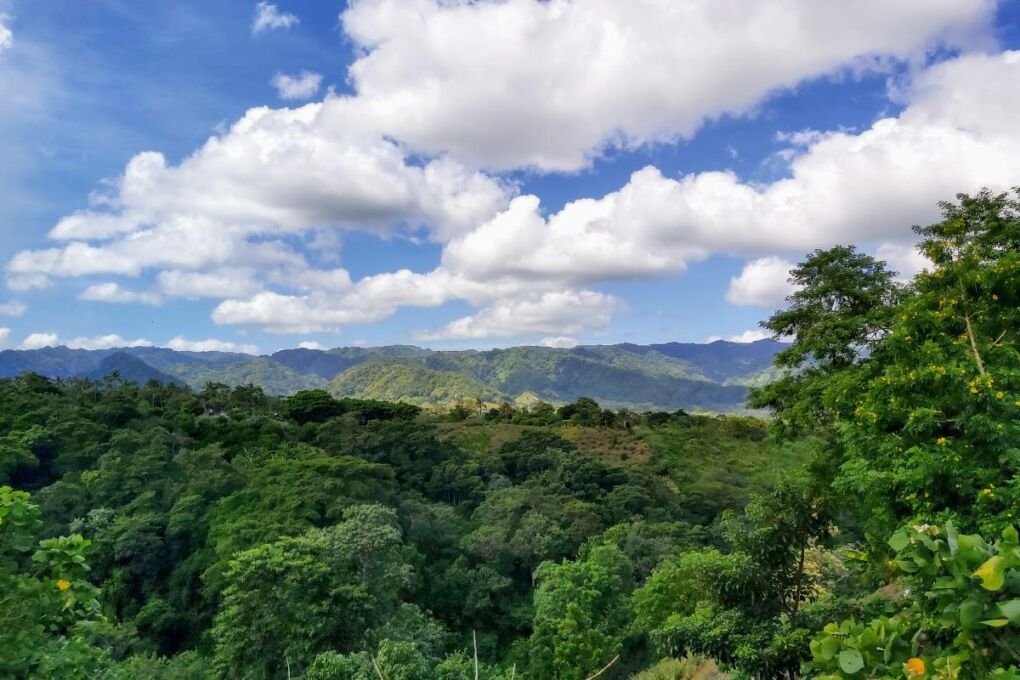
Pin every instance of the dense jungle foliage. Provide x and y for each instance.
(866, 531)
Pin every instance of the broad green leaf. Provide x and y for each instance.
(828, 647)
(1011, 610)
(908, 566)
(970, 545)
(970, 613)
(899, 541)
(850, 661)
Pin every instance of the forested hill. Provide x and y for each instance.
(712, 376)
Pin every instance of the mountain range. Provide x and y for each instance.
(713, 376)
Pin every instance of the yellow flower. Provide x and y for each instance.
(914, 667)
(1000, 395)
(941, 441)
(63, 584)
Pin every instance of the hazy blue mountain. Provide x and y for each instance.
(711, 376)
(129, 368)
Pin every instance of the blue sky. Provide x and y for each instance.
(473, 174)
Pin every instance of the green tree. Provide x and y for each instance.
(843, 305)
(313, 406)
(287, 601)
(935, 429)
(582, 615)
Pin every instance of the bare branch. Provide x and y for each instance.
(378, 670)
(605, 668)
(973, 345)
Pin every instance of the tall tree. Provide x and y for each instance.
(843, 305)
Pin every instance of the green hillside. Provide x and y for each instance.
(410, 382)
(710, 377)
(274, 378)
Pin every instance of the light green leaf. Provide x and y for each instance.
(1011, 610)
(996, 623)
(952, 537)
(851, 661)
(899, 541)
(828, 647)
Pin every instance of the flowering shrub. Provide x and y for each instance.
(958, 617)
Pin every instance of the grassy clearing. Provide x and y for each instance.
(690, 668)
(721, 462)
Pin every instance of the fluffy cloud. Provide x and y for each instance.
(106, 342)
(278, 313)
(904, 259)
(310, 344)
(113, 293)
(559, 342)
(274, 174)
(28, 281)
(6, 35)
(268, 17)
(111, 341)
(567, 312)
(210, 345)
(4, 334)
(750, 335)
(288, 171)
(762, 283)
(40, 340)
(302, 86)
(219, 283)
(577, 77)
(13, 308)
(843, 187)
(223, 222)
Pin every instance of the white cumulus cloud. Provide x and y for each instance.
(304, 85)
(551, 84)
(114, 293)
(268, 17)
(106, 342)
(904, 259)
(13, 308)
(567, 312)
(762, 283)
(559, 342)
(182, 344)
(6, 35)
(39, 341)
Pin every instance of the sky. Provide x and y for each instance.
(205, 174)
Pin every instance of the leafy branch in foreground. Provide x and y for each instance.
(957, 613)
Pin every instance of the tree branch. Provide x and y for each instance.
(605, 668)
(973, 345)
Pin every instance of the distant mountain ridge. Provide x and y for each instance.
(713, 376)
